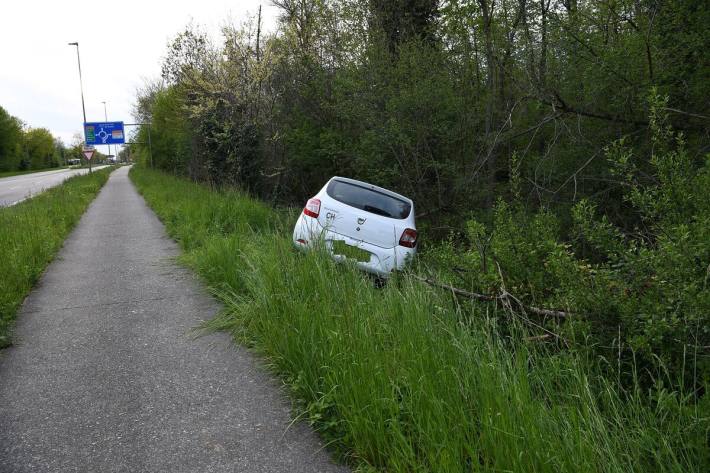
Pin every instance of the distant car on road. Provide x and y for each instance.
(357, 221)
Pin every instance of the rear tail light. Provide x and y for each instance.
(312, 208)
(408, 238)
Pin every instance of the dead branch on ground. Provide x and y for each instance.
(505, 297)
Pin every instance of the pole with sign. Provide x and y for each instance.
(104, 133)
(88, 154)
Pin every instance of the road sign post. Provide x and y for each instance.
(88, 154)
(103, 133)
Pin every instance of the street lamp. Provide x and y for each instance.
(81, 86)
(106, 119)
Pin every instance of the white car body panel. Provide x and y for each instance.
(376, 234)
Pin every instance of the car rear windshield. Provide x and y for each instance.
(368, 200)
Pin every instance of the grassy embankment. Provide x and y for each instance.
(405, 378)
(31, 233)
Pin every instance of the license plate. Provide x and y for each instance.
(342, 248)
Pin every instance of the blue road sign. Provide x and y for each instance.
(104, 133)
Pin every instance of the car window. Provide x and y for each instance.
(368, 200)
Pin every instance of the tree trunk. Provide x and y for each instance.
(491, 86)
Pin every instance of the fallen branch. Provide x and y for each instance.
(675, 110)
(455, 290)
(538, 338)
(506, 297)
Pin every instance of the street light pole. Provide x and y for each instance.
(81, 86)
(106, 119)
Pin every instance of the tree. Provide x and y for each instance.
(402, 21)
(439, 99)
(60, 152)
(40, 148)
(10, 141)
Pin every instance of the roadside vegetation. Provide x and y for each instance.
(557, 152)
(414, 378)
(26, 149)
(32, 232)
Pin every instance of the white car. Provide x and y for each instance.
(362, 222)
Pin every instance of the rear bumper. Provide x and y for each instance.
(309, 233)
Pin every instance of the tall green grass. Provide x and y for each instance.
(31, 233)
(406, 378)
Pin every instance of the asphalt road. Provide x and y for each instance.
(18, 188)
(106, 374)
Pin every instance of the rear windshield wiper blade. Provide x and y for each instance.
(376, 210)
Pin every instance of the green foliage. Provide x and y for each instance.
(31, 233)
(234, 212)
(10, 142)
(34, 148)
(638, 293)
(654, 279)
(401, 21)
(168, 136)
(40, 149)
(434, 99)
(495, 117)
(405, 378)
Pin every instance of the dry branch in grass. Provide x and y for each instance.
(504, 297)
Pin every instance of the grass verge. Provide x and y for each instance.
(31, 233)
(29, 171)
(405, 378)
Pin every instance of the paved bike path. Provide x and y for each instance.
(105, 374)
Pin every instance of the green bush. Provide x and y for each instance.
(638, 293)
(652, 279)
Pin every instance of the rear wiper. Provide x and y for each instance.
(375, 210)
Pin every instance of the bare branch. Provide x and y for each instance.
(506, 297)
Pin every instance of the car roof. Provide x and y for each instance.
(372, 187)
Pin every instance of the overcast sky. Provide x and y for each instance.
(121, 44)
